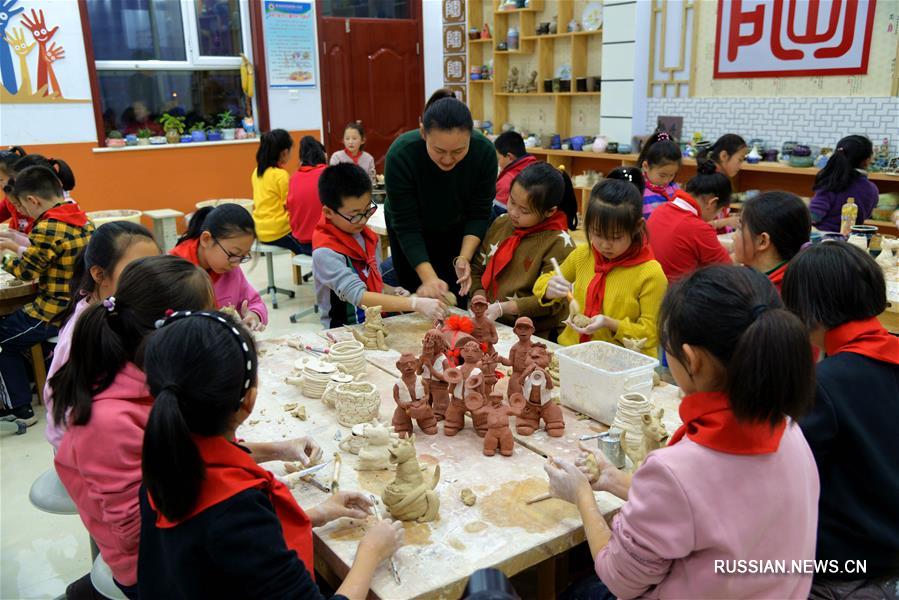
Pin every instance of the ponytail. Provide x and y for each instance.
(548, 188)
(852, 151)
(195, 225)
(569, 202)
(710, 182)
(271, 145)
(729, 143)
(173, 469)
(9, 158)
(736, 315)
(632, 175)
(222, 222)
(59, 167)
(659, 150)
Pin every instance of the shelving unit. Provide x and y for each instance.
(493, 103)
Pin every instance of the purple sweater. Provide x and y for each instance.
(826, 206)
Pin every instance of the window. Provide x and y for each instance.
(168, 56)
(366, 9)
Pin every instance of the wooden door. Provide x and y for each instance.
(372, 72)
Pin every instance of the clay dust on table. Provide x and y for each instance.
(417, 534)
(374, 481)
(506, 507)
(456, 544)
(475, 527)
(353, 531)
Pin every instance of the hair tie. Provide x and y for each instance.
(662, 136)
(174, 388)
(109, 304)
(805, 246)
(757, 310)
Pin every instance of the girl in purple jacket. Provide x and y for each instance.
(844, 177)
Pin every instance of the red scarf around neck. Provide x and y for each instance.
(602, 266)
(354, 157)
(189, 250)
(67, 212)
(709, 421)
(503, 256)
(327, 235)
(866, 337)
(661, 190)
(680, 194)
(776, 276)
(229, 471)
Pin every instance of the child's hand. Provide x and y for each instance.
(429, 307)
(20, 238)
(302, 449)
(558, 287)
(494, 311)
(344, 504)
(566, 481)
(463, 272)
(596, 323)
(382, 540)
(250, 319)
(607, 471)
(9, 245)
(401, 292)
(436, 288)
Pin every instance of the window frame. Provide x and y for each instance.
(194, 61)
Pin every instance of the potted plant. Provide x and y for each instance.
(143, 137)
(198, 131)
(114, 139)
(227, 123)
(173, 127)
(213, 134)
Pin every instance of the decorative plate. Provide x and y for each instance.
(592, 19)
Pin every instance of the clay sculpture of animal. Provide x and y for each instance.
(411, 399)
(534, 402)
(499, 435)
(654, 436)
(375, 452)
(432, 365)
(408, 497)
(374, 333)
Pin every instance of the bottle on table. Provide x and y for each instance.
(848, 215)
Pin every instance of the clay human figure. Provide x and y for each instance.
(374, 455)
(433, 364)
(484, 329)
(408, 497)
(512, 81)
(532, 82)
(654, 436)
(489, 362)
(534, 402)
(374, 332)
(524, 329)
(411, 399)
(499, 435)
(465, 379)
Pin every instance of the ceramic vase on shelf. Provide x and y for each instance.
(172, 136)
(600, 144)
(754, 156)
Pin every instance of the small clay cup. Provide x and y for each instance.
(580, 84)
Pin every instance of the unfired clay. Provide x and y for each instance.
(580, 320)
(468, 498)
(635, 344)
(887, 257)
(356, 403)
(629, 418)
(350, 354)
(329, 397)
(464, 380)
(499, 435)
(408, 497)
(654, 436)
(433, 364)
(411, 399)
(484, 329)
(534, 402)
(374, 454)
(374, 333)
(524, 329)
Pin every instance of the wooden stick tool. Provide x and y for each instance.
(377, 511)
(573, 307)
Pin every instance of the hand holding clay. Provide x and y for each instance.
(436, 288)
(494, 311)
(402, 292)
(558, 287)
(303, 450)
(10, 245)
(382, 540)
(19, 238)
(343, 504)
(603, 474)
(429, 307)
(596, 323)
(463, 272)
(250, 319)
(566, 481)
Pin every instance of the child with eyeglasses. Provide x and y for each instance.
(346, 254)
(219, 240)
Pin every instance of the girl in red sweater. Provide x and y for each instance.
(303, 205)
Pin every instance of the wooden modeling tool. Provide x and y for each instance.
(539, 498)
(335, 477)
(377, 513)
(573, 307)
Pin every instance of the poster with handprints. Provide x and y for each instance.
(289, 43)
(36, 65)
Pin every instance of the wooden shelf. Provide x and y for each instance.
(545, 94)
(519, 51)
(515, 11)
(480, 81)
(553, 36)
(623, 158)
(480, 41)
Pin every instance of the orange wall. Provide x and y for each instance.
(172, 178)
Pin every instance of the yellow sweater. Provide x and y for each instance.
(633, 297)
(269, 204)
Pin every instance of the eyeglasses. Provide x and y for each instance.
(372, 209)
(234, 259)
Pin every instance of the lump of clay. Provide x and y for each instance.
(299, 412)
(408, 497)
(468, 497)
(580, 320)
(374, 333)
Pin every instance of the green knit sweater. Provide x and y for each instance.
(422, 199)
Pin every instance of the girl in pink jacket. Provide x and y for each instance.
(219, 240)
(729, 509)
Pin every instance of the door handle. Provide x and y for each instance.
(347, 25)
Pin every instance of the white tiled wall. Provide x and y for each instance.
(814, 121)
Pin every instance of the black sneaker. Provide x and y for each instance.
(21, 414)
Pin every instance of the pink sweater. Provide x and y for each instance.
(100, 466)
(54, 432)
(690, 506)
(232, 288)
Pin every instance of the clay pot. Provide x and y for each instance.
(600, 144)
(350, 354)
(329, 397)
(172, 136)
(314, 376)
(357, 403)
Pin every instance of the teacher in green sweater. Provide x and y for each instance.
(441, 180)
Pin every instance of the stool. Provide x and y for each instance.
(303, 261)
(49, 495)
(165, 227)
(268, 251)
(40, 367)
(101, 579)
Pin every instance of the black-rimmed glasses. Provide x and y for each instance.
(372, 209)
(234, 259)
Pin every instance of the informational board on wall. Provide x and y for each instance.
(289, 43)
(793, 38)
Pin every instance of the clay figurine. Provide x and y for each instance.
(374, 454)
(511, 80)
(457, 332)
(534, 402)
(374, 332)
(356, 440)
(654, 436)
(433, 364)
(411, 399)
(490, 362)
(499, 435)
(524, 329)
(532, 83)
(484, 329)
(408, 497)
(554, 26)
(887, 257)
(465, 380)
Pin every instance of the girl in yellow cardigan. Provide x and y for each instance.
(270, 181)
(616, 281)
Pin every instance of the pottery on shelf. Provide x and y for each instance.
(600, 144)
(356, 403)
(612, 148)
(186, 138)
(754, 157)
(228, 133)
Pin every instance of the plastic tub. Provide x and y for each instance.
(594, 375)
(99, 217)
(246, 203)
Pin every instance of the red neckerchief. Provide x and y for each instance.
(661, 190)
(17, 222)
(776, 275)
(67, 212)
(354, 157)
(602, 266)
(229, 471)
(866, 337)
(189, 251)
(327, 235)
(709, 421)
(507, 248)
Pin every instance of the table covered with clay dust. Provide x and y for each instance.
(499, 530)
